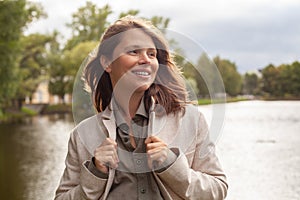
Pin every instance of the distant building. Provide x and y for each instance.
(42, 96)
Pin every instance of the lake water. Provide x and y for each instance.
(259, 148)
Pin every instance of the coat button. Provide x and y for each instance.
(143, 190)
(138, 162)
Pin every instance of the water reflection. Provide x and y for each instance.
(10, 186)
(260, 150)
(32, 155)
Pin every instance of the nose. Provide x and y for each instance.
(144, 58)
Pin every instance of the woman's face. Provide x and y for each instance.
(134, 63)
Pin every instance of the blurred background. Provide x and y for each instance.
(255, 46)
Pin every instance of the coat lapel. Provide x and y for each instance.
(111, 128)
(108, 120)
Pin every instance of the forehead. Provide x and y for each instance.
(135, 38)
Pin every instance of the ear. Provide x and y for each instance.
(105, 63)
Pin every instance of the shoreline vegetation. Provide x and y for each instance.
(206, 101)
(13, 116)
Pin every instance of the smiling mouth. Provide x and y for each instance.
(141, 73)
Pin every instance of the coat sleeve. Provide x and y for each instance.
(77, 182)
(200, 177)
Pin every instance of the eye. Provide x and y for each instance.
(133, 52)
(152, 54)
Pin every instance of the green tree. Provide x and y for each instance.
(130, 12)
(189, 72)
(270, 81)
(250, 84)
(204, 75)
(295, 78)
(231, 77)
(88, 24)
(14, 16)
(289, 80)
(64, 68)
(283, 81)
(160, 22)
(32, 65)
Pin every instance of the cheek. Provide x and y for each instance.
(155, 67)
(155, 64)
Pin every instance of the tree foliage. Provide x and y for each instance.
(270, 76)
(251, 84)
(281, 81)
(203, 75)
(14, 17)
(160, 22)
(88, 24)
(33, 62)
(231, 77)
(64, 68)
(129, 12)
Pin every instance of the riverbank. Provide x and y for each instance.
(227, 100)
(207, 101)
(17, 116)
(13, 116)
(287, 98)
(57, 109)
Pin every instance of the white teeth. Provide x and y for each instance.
(142, 73)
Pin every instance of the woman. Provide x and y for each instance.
(147, 141)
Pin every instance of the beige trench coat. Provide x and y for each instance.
(196, 174)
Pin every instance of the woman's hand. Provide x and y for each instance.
(106, 155)
(157, 151)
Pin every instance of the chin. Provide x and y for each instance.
(142, 88)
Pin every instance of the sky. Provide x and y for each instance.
(250, 33)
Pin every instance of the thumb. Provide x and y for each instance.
(148, 140)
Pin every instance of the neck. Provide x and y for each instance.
(134, 103)
(129, 104)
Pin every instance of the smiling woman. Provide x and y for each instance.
(146, 141)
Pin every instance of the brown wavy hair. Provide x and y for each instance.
(168, 88)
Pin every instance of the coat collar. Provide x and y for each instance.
(112, 116)
(159, 123)
(95, 129)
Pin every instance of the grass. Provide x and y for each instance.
(58, 108)
(28, 111)
(227, 100)
(204, 101)
(16, 116)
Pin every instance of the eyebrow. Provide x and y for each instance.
(139, 47)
